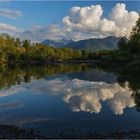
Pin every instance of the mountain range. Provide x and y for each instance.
(92, 44)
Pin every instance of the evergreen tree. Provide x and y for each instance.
(134, 42)
(122, 44)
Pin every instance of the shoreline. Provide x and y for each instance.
(15, 132)
(80, 61)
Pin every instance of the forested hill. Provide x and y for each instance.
(95, 44)
(13, 49)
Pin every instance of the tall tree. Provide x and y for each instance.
(122, 44)
(134, 42)
(26, 45)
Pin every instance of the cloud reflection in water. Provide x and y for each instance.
(82, 95)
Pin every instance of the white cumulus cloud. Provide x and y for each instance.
(123, 19)
(90, 20)
(80, 95)
(85, 95)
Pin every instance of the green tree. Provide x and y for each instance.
(122, 45)
(134, 42)
(26, 45)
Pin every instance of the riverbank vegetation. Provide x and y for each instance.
(13, 49)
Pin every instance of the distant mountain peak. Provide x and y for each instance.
(57, 43)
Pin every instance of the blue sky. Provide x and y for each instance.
(45, 13)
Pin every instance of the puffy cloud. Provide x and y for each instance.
(89, 20)
(88, 96)
(10, 13)
(120, 101)
(123, 19)
(85, 18)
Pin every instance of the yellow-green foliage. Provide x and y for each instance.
(13, 49)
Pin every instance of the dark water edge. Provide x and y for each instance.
(14, 132)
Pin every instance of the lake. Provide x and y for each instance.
(71, 100)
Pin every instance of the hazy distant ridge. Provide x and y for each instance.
(93, 44)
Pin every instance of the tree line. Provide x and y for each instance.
(13, 49)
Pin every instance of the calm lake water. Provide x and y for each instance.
(68, 99)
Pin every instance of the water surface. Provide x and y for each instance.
(68, 99)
